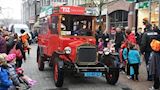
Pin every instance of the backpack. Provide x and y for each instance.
(24, 37)
(155, 45)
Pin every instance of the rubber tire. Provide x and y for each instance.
(60, 77)
(40, 61)
(112, 76)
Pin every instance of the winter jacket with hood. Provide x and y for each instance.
(13, 75)
(147, 37)
(132, 55)
(5, 82)
(119, 39)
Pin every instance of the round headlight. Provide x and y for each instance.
(67, 50)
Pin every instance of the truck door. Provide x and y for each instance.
(53, 37)
(43, 33)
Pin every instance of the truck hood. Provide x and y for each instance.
(75, 42)
(70, 40)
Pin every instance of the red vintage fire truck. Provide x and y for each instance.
(66, 40)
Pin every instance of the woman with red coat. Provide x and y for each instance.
(130, 38)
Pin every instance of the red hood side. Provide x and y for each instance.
(74, 42)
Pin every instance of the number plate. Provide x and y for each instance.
(92, 74)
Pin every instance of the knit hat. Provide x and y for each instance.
(10, 57)
(2, 59)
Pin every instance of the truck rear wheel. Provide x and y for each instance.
(40, 61)
(112, 76)
(58, 73)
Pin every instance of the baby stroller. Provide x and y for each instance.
(24, 84)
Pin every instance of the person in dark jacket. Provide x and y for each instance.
(18, 46)
(145, 47)
(3, 46)
(119, 39)
(155, 65)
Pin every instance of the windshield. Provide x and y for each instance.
(76, 25)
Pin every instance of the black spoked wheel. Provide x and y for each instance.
(112, 76)
(58, 73)
(40, 61)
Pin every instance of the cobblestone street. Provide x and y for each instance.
(45, 79)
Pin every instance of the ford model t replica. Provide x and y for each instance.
(66, 40)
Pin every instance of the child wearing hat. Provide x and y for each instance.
(10, 58)
(6, 82)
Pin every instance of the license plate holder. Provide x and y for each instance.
(92, 74)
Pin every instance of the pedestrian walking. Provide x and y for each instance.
(145, 47)
(155, 62)
(24, 39)
(130, 38)
(132, 56)
(118, 39)
(18, 45)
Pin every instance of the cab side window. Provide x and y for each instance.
(54, 25)
(43, 26)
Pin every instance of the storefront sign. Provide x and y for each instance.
(47, 10)
(143, 4)
(72, 10)
(131, 0)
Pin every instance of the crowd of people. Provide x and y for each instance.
(12, 55)
(131, 46)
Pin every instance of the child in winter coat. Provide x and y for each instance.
(6, 82)
(133, 58)
(10, 58)
(100, 47)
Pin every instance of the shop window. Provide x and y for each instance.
(119, 18)
(43, 26)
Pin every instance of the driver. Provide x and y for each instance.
(83, 31)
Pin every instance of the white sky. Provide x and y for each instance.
(11, 9)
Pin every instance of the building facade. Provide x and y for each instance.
(114, 13)
(30, 12)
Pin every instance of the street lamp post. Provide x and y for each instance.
(136, 17)
(150, 11)
(159, 14)
(35, 1)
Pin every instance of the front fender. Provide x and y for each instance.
(111, 61)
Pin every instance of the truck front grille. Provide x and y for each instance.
(86, 55)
